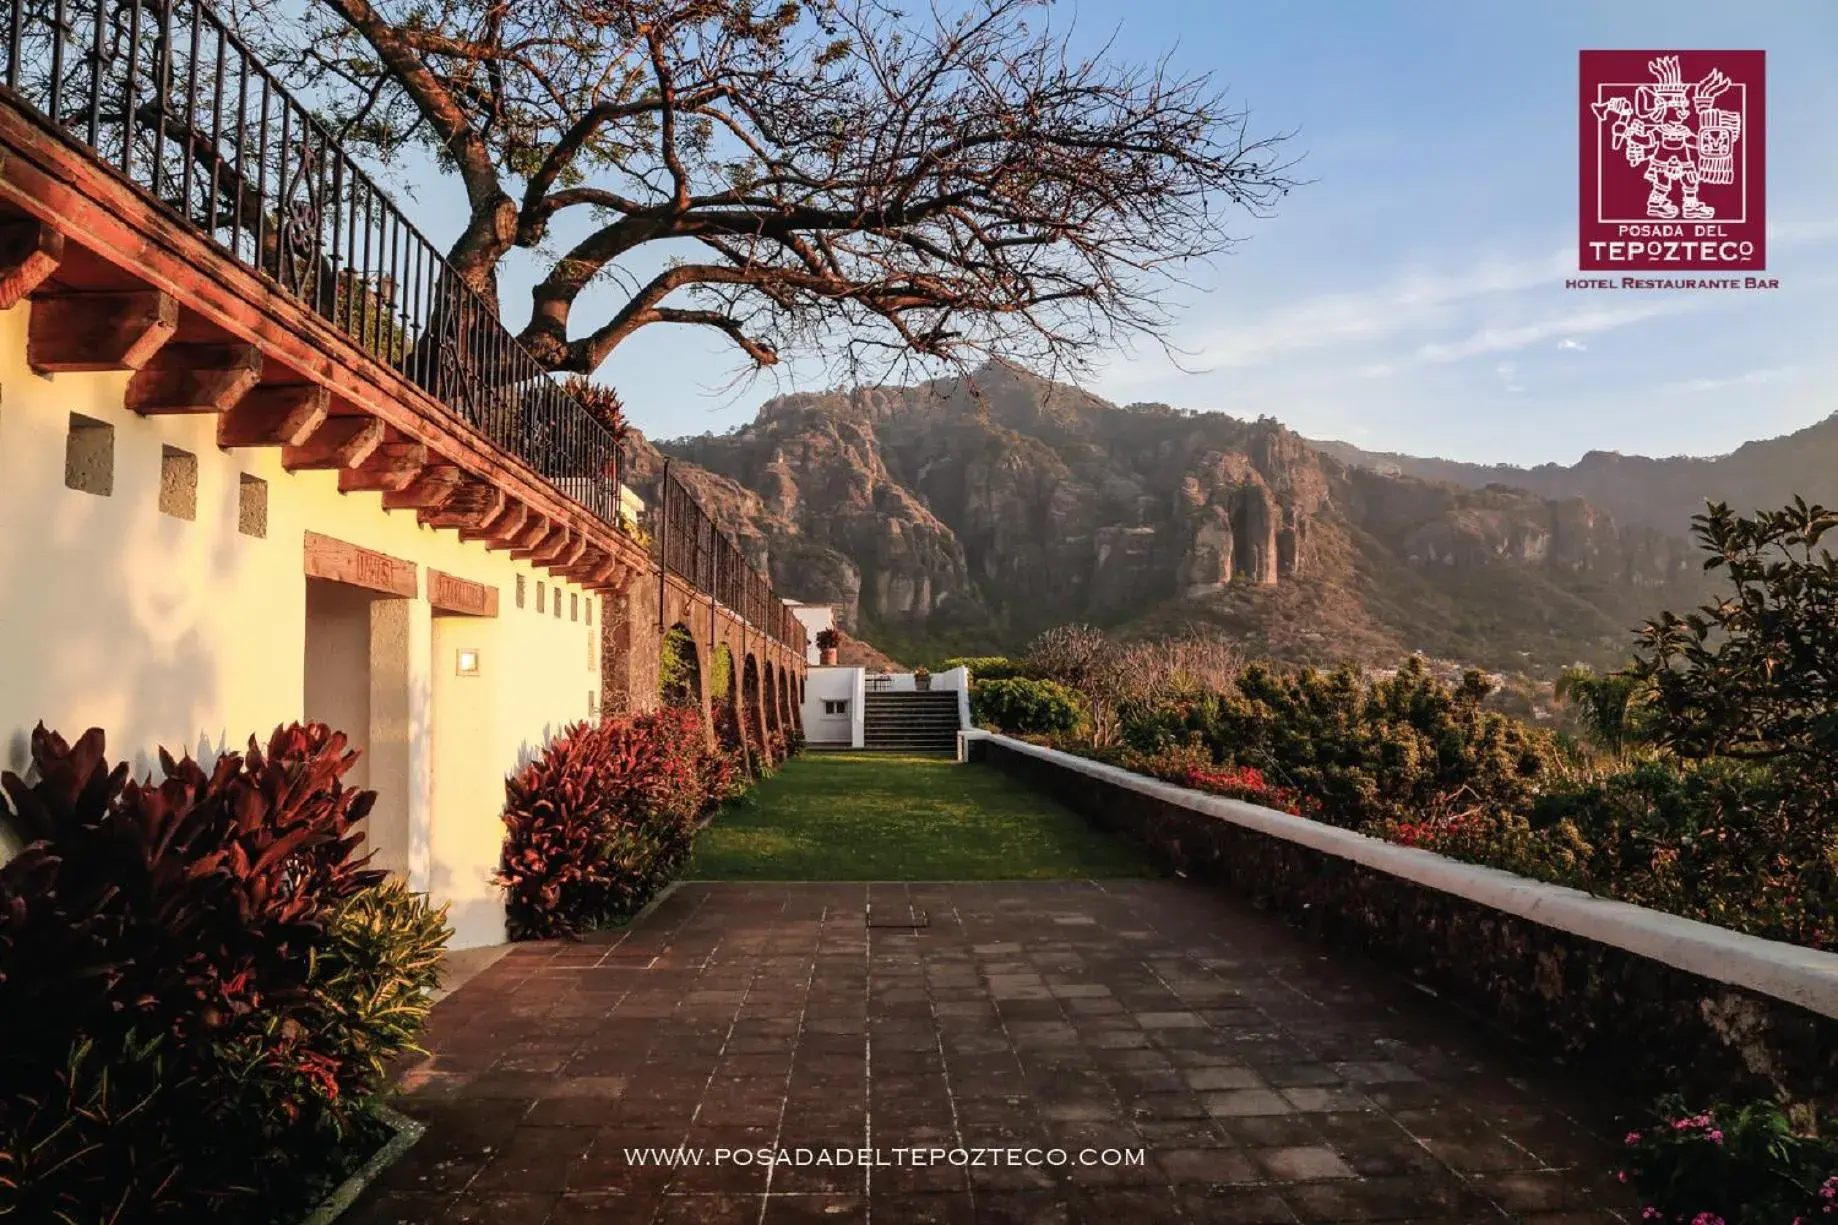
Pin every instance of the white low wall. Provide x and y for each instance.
(835, 684)
(1800, 976)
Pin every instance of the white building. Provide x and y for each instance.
(816, 619)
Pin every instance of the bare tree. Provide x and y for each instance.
(817, 176)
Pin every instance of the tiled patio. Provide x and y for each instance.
(1263, 1081)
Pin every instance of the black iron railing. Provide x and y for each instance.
(689, 544)
(165, 92)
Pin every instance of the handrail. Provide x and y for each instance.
(165, 93)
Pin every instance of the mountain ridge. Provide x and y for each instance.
(967, 514)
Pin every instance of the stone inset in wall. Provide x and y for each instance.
(178, 483)
(89, 456)
(252, 506)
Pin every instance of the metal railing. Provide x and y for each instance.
(167, 94)
(692, 546)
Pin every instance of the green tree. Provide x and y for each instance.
(1754, 675)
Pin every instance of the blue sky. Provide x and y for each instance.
(1411, 297)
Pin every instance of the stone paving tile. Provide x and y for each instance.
(1263, 1081)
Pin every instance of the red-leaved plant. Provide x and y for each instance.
(166, 1047)
(598, 822)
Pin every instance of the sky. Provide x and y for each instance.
(1410, 296)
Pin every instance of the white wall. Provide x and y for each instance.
(816, 618)
(191, 635)
(833, 684)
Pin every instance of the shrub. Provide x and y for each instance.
(1723, 842)
(828, 640)
(1731, 1166)
(189, 976)
(598, 822)
(1390, 749)
(1024, 706)
(985, 667)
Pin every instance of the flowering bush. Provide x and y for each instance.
(1190, 765)
(1725, 1166)
(597, 823)
(200, 982)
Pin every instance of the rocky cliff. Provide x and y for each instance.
(970, 514)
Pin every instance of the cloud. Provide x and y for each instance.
(1511, 339)
(1752, 378)
(1572, 344)
(1410, 302)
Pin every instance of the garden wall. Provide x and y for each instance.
(1653, 1002)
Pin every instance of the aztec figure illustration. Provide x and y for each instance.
(1679, 134)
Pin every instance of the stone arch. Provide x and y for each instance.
(680, 668)
(751, 716)
(724, 697)
(769, 702)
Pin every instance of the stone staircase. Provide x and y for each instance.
(911, 722)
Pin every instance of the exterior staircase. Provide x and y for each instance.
(909, 722)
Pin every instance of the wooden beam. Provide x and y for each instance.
(449, 593)
(554, 549)
(30, 251)
(99, 331)
(571, 555)
(534, 531)
(535, 543)
(342, 442)
(433, 487)
(502, 530)
(349, 563)
(392, 466)
(276, 415)
(194, 379)
(474, 504)
(586, 567)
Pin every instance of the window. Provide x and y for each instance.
(574, 606)
(252, 506)
(590, 610)
(836, 706)
(178, 483)
(539, 599)
(520, 591)
(89, 456)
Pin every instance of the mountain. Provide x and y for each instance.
(969, 514)
(1657, 493)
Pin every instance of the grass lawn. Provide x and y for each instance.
(871, 816)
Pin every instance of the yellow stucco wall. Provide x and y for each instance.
(192, 635)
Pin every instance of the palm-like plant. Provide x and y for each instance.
(1611, 706)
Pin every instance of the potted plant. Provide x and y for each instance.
(827, 642)
(922, 680)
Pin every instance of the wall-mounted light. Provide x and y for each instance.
(468, 661)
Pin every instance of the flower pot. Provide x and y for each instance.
(922, 683)
(827, 656)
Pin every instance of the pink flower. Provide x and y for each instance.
(1633, 1137)
(1716, 1137)
(1620, 1175)
(1706, 1218)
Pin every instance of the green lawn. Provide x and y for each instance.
(869, 816)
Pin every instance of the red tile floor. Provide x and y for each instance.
(1261, 1080)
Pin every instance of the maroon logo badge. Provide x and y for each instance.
(1673, 161)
